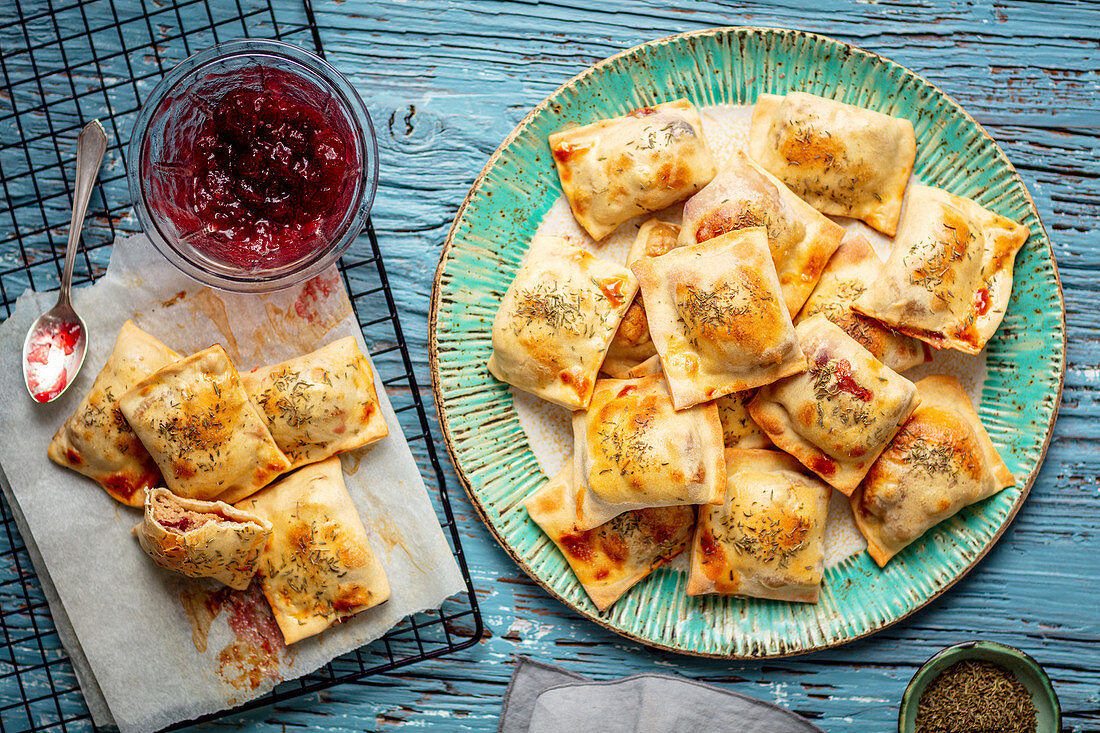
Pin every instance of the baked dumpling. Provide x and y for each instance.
(202, 539)
(739, 430)
(615, 169)
(632, 343)
(319, 404)
(96, 440)
(317, 568)
(717, 317)
(556, 321)
(742, 195)
(941, 461)
(767, 538)
(839, 414)
(949, 276)
(611, 558)
(842, 159)
(853, 270)
(632, 450)
(197, 422)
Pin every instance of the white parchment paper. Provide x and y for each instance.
(126, 617)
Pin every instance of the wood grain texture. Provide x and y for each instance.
(447, 81)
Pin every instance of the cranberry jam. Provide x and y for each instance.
(269, 171)
(253, 165)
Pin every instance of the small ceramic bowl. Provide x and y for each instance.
(1048, 713)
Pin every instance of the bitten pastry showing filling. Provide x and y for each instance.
(616, 169)
(941, 461)
(96, 440)
(767, 539)
(319, 404)
(202, 539)
(611, 558)
(317, 567)
(197, 422)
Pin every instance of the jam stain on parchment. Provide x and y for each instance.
(254, 656)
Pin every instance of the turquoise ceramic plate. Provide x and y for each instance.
(1026, 359)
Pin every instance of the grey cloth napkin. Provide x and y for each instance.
(546, 699)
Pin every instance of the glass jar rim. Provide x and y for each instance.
(354, 218)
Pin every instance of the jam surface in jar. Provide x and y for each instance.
(270, 174)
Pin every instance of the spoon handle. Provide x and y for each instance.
(91, 144)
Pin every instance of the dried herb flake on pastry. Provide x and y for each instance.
(717, 317)
(610, 559)
(767, 538)
(207, 437)
(202, 539)
(319, 404)
(615, 169)
(317, 568)
(841, 159)
(941, 461)
(556, 320)
(949, 277)
(838, 415)
(96, 440)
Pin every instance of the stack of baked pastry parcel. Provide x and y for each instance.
(238, 474)
(747, 359)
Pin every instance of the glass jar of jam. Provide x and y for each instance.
(253, 165)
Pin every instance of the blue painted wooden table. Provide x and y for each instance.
(446, 80)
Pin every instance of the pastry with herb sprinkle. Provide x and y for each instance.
(611, 558)
(202, 539)
(838, 415)
(317, 568)
(615, 169)
(853, 270)
(745, 195)
(717, 317)
(197, 422)
(633, 450)
(96, 440)
(949, 276)
(767, 538)
(941, 461)
(554, 325)
(841, 159)
(319, 404)
(632, 343)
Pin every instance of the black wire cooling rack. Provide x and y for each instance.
(64, 64)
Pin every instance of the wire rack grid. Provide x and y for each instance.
(64, 63)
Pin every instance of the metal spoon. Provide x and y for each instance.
(57, 342)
